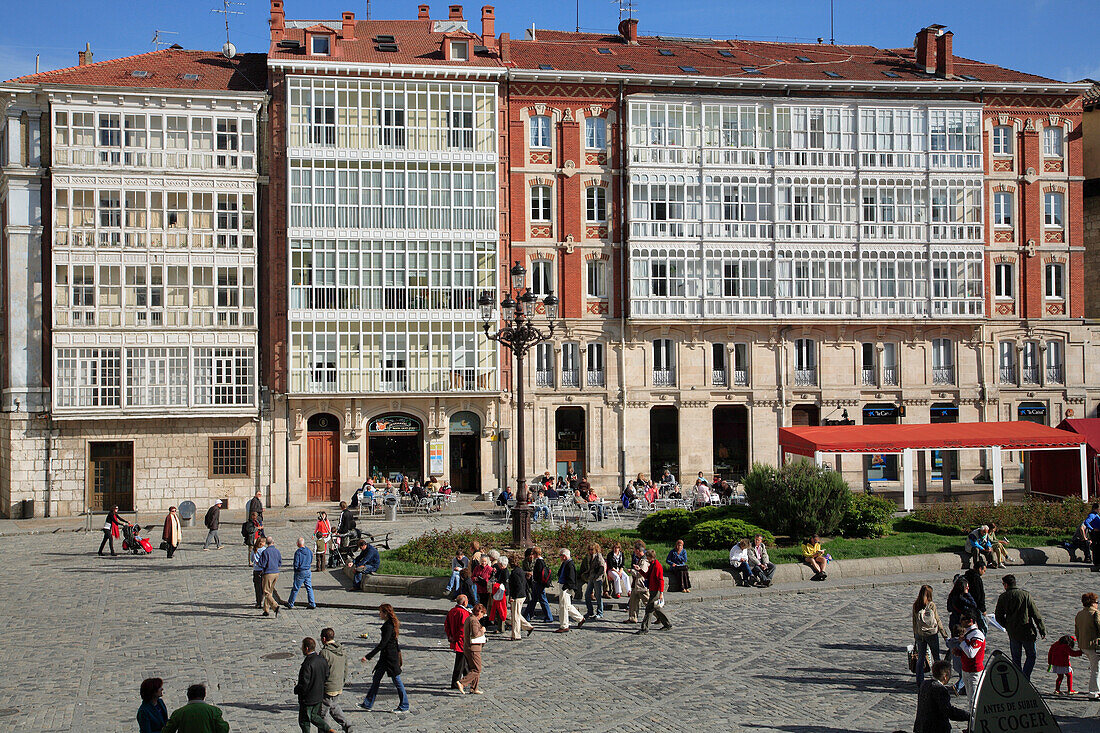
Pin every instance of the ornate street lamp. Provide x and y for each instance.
(519, 334)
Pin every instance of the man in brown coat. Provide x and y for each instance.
(473, 638)
(1087, 626)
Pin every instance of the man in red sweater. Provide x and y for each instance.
(655, 581)
(971, 650)
(453, 626)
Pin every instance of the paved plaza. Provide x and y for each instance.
(83, 631)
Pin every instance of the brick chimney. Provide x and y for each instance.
(628, 29)
(277, 21)
(456, 13)
(423, 12)
(85, 56)
(925, 48)
(945, 60)
(505, 48)
(488, 26)
(347, 26)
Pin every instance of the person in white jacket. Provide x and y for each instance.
(739, 561)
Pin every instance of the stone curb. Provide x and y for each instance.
(433, 587)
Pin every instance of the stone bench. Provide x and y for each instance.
(399, 585)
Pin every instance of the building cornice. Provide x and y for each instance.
(291, 66)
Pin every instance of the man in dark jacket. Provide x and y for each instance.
(517, 591)
(256, 504)
(1016, 612)
(977, 586)
(311, 688)
(570, 587)
(366, 563)
(347, 520)
(333, 654)
(540, 580)
(934, 709)
(212, 520)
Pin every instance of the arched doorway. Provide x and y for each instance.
(323, 458)
(730, 424)
(569, 440)
(395, 447)
(664, 441)
(465, 436)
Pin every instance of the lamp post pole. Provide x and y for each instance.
(518, 334)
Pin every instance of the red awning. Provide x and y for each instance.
(1087, 427)
(1019, 435)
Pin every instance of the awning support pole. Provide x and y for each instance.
(998, 478)
(907, 477)
(1084, 473)
(817, 458)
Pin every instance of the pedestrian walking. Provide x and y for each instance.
(639, 591)
(388, 650)
(498, 611)
(337, 677)
(253, 532)
(976, 584)
(1058, 657)
(473, 638)
(934, 709)
(256, 505)
(655, 581)
(152, 715)
(303, 574)
(258, 571)
(595, 575)
(270, 562)
(321, 531)
(212, 520)
(570, 587)
(197, 716)
(311, 688)
(1092, 521)
(971, 652)
(454, 628)
(172, 534)
(1017, 613)
(540, 581)
(1086, 624)
(111, 530)
(927, 630)
(517, 591)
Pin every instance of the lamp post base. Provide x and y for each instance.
(521, 526)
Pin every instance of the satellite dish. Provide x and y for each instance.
(229, 50)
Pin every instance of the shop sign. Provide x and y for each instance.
(1007, 701)
(465, 423)
(394, 424)
(435, 457)
(1033, 410)
(880, 412)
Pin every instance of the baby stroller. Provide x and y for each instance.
(342, 548)
(133, 542)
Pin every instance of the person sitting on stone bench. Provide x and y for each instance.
(367, 563)
(1079, 541)
(978, 545)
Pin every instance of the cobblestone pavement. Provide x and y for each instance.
(83, 631)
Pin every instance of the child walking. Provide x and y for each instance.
(1058, 659)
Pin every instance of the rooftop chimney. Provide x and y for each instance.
(628, 29)
(925, 47)
(347, 26)
(277, 21)
(488, 26)
(945, 60)
(505, 48)
(456, 13)
(423, 13)
(85, 55)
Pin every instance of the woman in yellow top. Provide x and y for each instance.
(814, 556)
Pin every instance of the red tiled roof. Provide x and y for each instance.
(1091, 98)
(244, 73)
(567, 51)
(416, 44)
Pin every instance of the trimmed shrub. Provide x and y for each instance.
(797, 499)
(867, 516)
(1052, 517)
(437, 547)
(666, 525)
(722, 534)
(712, 513)
(912, 524)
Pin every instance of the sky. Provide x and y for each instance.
(1053, 38)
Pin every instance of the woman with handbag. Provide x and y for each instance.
(927, 630)
(110, 529)
(389, 660)
(473, 638)
(172, 535)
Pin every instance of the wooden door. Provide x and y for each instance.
(111, 476)
(323, 467)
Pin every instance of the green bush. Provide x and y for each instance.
(666, 525)
(1053, 517)
(912, 524)
(711, 513)
(437, 547)
(722, 534)
(867, 516)
(797, 499)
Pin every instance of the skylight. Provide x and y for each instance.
(689, 70)
(604, 51)
(891, 74)
(804, 59)
(727, 54)
(388, 47)
(141, 74)
(546, 67)
(750, 69)
(626, 67)
(833, 75)
(665, 52)
(968, 77)
(189, 77)
(387, 38)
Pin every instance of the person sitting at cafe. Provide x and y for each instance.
(505, 496)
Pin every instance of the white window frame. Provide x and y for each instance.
(595, 133)
(320, 45)
(1054, 281)
(1004, 280)
(460, 50)
(542, 278)
(1053, 209)
(542, 203)
(596, 278)
(1053, 142)
(595, 204)
(1001, 140)
(540, 132)
(1002, 209)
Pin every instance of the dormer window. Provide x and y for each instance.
(460, 51)
(319, 45)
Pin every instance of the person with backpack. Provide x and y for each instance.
(212, 520)
(1017, 613)
(517, 592)
(337, 677)
(540, 581)
(570, 587)
(927, 630)
(253, 531)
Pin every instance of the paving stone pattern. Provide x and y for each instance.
(83, 631)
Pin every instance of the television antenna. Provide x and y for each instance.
(157, 43)
(626, 7)
(228, 50)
